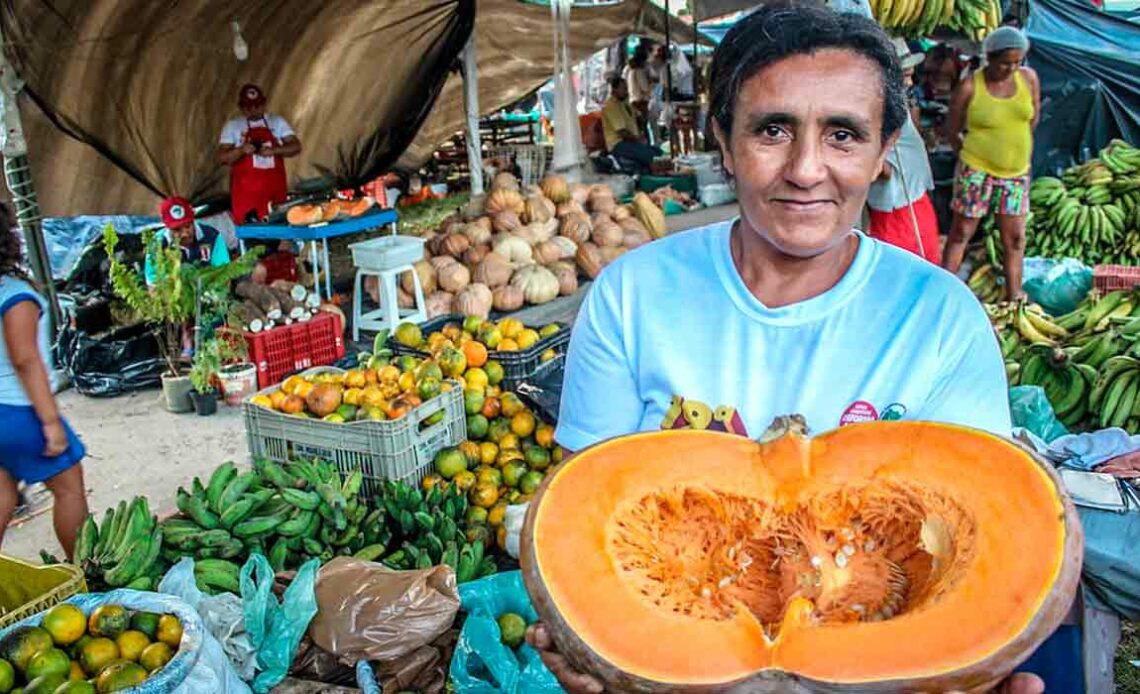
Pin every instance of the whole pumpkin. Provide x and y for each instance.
(475, 255)
(570, 207)
(538, 284)
(477, 234)
(494, 270)
(439, 304)
(576, 227)
(589, 259)
(475, 300)
(504, 200)
(426, 273)
(507, 298)
(438, 262)
(567, 276)
(861, 560)
(621, 212)
(505, 180)
(579, 193)
(607, 234)
(453, 245)
(454, 278)
(555, 188)
(505, 222)
(535, 210)
(547, 252)
(515, 250)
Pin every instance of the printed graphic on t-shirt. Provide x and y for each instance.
(863, 411)
(686, 413)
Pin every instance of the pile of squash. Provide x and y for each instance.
(529, 246)
(880, 557)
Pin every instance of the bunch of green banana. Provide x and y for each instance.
(919, 18)
(1066, 382)
(986, 283)
(122, 550)
(289, 514)
(1090, 213)
(429, 528)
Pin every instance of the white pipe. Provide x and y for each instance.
(471, 106)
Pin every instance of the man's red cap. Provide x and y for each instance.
(250, 95)
(176, 212)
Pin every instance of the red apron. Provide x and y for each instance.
(253, 187)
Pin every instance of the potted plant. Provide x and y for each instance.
(203, 369)
(170, 302)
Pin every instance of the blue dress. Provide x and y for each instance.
(21, 432)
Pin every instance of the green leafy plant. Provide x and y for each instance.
(211, 355)
(177, 294)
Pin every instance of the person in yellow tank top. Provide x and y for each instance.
(991, 122)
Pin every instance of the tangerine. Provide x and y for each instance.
(476, 353)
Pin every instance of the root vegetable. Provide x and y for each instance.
(261, 297)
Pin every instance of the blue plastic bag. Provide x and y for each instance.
(481, 663)
(1032, 410)
(198, 666)
(1058, 285)
(276, 628)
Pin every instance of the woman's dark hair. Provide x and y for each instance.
(784, 28)
(616, 81)
(11, 248)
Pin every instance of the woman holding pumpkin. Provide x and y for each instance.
(787, 309)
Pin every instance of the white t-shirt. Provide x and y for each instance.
(233, 133)
(896, 338)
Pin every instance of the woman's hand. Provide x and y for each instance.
(55, 437)
(571, 680)
(577, 682)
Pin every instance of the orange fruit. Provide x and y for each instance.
(511, 327)
(277, 397)
(464, 480)
(488, 452)
(476, 379)
(508, 345)
(523, 424)
(155, 656)
(491, 408)
(409, 335)
(494, 372)
(108, 620)
(66, 623)
(476, 353)
(511, 405)
(497, 514)
(544, 435)
(170, 630)
(131, 644)
(430, 482)
(484, 494)
(527, 338)
(509, 442)
(290, 384)
(97, 654)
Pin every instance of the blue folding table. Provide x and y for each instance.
(322, 232)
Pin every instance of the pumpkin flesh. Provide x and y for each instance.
(878, 557)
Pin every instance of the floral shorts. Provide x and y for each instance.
(976, 194)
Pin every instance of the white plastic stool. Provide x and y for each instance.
(389, 315)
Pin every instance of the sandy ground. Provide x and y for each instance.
(136, 447)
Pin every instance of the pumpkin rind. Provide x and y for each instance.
(993, 603)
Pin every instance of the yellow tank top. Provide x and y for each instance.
(999, 132)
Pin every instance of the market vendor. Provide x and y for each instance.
(200, 244)
(786, 309)
(990, 126)
(622, 131)
(901, 211)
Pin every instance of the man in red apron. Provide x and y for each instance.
(255, 147)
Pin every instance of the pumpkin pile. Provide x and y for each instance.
(380, 391)
(529, 246)
(884, 556)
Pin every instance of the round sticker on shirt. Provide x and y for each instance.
(858, 411)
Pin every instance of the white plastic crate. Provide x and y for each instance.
(387, 252)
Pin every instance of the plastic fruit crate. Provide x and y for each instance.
(520, 366)
(1107, 278)
(387, 252)
(27, 589)
(288, 349)
(400, 449)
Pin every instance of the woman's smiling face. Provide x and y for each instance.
(806, 145)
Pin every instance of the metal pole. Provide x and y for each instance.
(471, 106)
(18, 175)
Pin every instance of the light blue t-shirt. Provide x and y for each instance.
(14, 291)
(895, 338)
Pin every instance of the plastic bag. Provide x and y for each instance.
(1031, 410)
(222, 615)
(276, 629)
(1058, 285)
(121, 362)
(513, 521)
(424, 670)
(482, 664)
(370, 612)
(198, 666)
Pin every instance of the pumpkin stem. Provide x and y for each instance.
(783, 425)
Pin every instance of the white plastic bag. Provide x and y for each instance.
(513, 522)
(223, 618)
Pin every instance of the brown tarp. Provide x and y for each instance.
(128, 97)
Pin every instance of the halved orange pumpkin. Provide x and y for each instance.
(887, 556)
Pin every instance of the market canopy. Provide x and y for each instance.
(1089, 64)
(707, 9)
(125, 99)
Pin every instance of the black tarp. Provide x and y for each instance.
(1089, 64)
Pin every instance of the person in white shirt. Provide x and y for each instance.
(255, 147)
(639, 84)
(787, 309)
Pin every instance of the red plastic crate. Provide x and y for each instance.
(290, 348)
(1107, 278)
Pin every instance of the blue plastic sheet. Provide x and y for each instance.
(481, 663)
(68, 237)
(1032, 411)
(1058, 285)
(1111, 572)
(199, 666)
(276, 628)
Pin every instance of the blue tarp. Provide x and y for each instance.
(68, 237)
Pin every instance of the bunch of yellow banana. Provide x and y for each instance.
(986, 283)
(919, 18)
